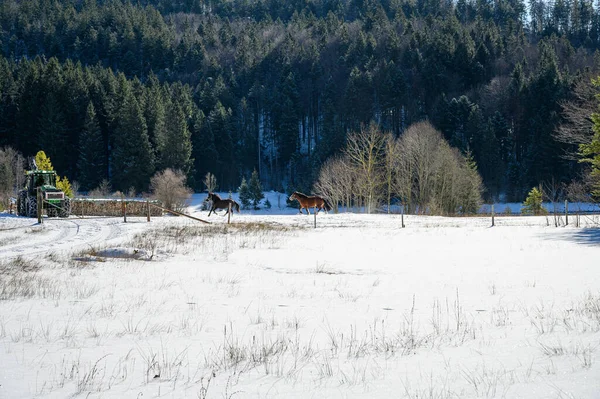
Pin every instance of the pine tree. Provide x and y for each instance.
(92, 163)
(219, 125)
(178, 145)
(43, 161)
(52, 135)
(256, 192)
(154, 113)
(533, 203)
(472, 187)
(245, 194)
(132, 162)
(63, 184)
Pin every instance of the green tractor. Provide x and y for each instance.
(55, 202)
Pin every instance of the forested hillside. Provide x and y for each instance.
(118, 90)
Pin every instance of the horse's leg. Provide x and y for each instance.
(212, 208)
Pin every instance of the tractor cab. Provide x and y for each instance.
(46, 179)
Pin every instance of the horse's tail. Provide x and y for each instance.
(237, 206)
(327, 206)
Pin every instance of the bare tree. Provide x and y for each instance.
(169, 187)
(577, 127)
(578, 192)
(336, 181)
(419, 145)
(210, 182)
(365, 152)
(420, 167)
(102, 191)
(11, 174)
(553, 192)
(392, 155)
(433, 177)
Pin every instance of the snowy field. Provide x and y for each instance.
(270, 307)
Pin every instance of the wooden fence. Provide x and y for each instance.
(114, 207)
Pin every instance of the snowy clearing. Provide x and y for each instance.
(271, 307)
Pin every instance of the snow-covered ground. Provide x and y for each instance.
(271, 307)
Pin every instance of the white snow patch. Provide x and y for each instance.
(272, 307)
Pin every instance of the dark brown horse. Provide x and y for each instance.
(310, 201)
(219, 203)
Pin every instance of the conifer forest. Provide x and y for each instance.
(117, 90)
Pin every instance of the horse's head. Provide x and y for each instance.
(293, 196)
(209, 197)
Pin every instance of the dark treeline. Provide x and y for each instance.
(233, 86)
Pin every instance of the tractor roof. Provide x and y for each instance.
(44, 172)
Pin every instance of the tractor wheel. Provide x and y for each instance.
(32, 207)
(22, 203)
(52, 211)
(65, 210)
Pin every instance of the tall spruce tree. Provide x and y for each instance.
(132, 163)
(178, 144)
(219, 125)
(52, 130)
(92, 163)
(154, 113)
(255, 188)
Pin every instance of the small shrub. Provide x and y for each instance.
(169, 187)
(102, 191)
(533, 203)
(63, 184)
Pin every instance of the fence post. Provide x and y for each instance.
(403, 216)
(124, 208)
(315, 210)
(148, 208)
(566, 212)
(39, 204)
(229, 213)
(493, 224)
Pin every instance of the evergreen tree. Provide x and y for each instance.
(245, 194)
(533, 203)
(204, 152)
(63, 184)
(471, 196)
(255, 188)
(52, 136)
(132, 163)
(177, 145)
(43, 161)
(154, 113)
(219, 125)
(92, 163)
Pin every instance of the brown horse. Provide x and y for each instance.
(219, 203)
(312, 201)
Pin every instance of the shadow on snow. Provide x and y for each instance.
(585, 236)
